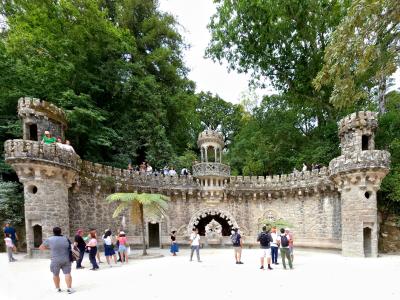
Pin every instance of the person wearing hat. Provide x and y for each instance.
(47, 138)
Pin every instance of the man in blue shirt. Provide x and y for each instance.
(8, 229)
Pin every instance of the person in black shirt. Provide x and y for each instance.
(265, 240)
(81, 245)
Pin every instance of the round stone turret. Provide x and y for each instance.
(46, 170)
(211, 171)
(358, 173)
(38, 116)
(357, 131)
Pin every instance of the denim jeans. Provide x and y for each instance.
(79, 261)
(193, 248)
(274, 254)
(92, 257)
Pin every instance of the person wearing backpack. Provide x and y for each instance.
(265, 240)
(283, 242)
(237, 243)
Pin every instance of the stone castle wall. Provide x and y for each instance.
(330, 208)
(306, 200)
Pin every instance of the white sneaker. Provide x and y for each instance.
(58, 290)
(70, 291)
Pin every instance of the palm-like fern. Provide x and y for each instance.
(151, 205)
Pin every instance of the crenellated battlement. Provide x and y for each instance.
(32, 106)
(360, 120)
(294, 181)
(358, 161)
(121, 176)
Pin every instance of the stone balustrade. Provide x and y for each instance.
(361, 160)
(211, 169)
(19, 150)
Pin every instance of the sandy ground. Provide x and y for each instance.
(317, 275)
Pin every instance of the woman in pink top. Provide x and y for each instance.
(122, 246)
(92, 247)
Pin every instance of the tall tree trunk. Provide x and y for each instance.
(143, 230)
(382, 95)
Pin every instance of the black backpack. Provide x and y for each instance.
(264, 239)
(284, 241)
(235, 239)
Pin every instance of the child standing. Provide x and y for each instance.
(10, 246)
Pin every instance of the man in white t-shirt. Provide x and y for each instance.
(195, 244)
(274, 246)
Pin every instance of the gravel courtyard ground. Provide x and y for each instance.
(317, 275)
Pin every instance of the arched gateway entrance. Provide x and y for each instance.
(208, 219)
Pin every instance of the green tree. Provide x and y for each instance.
(278, 137)
(140, 205)
(116, 67)
(216, 114)
(283, 41)
(363, 52)
(388, 137)
(11, 203)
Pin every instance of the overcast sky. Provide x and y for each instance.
(194, 15)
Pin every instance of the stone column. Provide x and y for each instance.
(46, 171)
(215, 154)
(46, 199)
(359, 213)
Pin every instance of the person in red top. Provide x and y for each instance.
(122, 249)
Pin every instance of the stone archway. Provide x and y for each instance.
(210, 213)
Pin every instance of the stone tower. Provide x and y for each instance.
(46, 171)
(358, 173)
(211, 172)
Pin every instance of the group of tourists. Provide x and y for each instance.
(63, 252)
(146, 169)
(270, 243)
(48, 139)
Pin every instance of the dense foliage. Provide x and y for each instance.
(116, 68)
(344, 48)
(11, 203)
(363, 52)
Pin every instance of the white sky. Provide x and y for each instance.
(193, 16)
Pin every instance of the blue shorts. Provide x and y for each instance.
(122, 248)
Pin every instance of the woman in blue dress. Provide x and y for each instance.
(109, 247)
(174, 245)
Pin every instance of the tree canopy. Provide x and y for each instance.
(363, 52)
